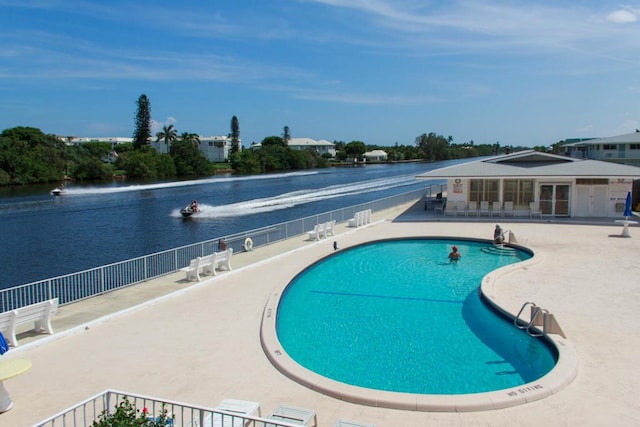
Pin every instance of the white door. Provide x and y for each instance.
(591, 201)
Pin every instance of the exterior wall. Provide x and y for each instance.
(320, 149)
(584, 200)
(112, 140)
(215, 148)
(623, 153)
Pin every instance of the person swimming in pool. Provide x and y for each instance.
(454, 255)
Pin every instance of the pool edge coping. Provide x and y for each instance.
(560, 376)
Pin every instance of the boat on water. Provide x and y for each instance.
(190, 209)
(58, 191)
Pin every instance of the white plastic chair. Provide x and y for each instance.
(496, 209)
(472, 209)
(534, 209)
(508, 208)
(484, 208)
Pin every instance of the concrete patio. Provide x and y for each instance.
(199, 342)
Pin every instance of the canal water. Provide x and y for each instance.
(91, 225)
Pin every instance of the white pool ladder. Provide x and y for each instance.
(541, 322)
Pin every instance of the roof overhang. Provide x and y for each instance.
(532, 164)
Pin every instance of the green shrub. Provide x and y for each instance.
(126, 415)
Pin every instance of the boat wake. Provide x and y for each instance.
(294, 198)
(164, 185)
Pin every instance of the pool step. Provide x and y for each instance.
(500, 250)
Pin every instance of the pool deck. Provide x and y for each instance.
(200, 342)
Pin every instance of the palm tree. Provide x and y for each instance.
(168, 134)
(193, 138)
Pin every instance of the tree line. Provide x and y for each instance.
(28, 155)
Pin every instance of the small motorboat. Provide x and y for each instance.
(190, 209)
(58, 191)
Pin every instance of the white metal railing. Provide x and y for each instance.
(96, 281)
(176, 414)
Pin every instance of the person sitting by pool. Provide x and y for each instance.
(454, 255)
(498, 235)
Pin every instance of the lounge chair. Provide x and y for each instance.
(461, 207)
(238, 409)
(534, 209)
(484, 208)
(449, 209)
(294, 415)
(496, 209)
(472, 209)
(508, 209)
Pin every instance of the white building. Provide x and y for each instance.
(623, 149)
(321, 146)
(214, 148)
(375, 156)
(115, 140)
(558, 186)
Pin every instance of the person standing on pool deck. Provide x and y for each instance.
(454, 255)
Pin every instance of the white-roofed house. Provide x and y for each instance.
(375, 156)
(560, 186)
(321, 146)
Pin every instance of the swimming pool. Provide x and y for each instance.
(396, 316)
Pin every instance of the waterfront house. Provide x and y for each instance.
(321, 146)
(622, 149)
(542, 184)
(375, 156)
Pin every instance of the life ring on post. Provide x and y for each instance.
(248, 244)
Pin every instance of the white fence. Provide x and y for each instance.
(178, 414)
(89, 283)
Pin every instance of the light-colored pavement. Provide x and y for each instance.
(199, 343)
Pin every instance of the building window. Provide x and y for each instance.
(483, 190)
(592, 181)
(608, 146)
(518, 191)
(634, 146)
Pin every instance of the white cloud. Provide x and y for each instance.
(157, 126)
(623, 16)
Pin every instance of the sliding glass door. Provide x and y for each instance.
(554, 199)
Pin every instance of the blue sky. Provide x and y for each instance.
(379, 71)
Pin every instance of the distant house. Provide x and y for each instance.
(321, 146)
(375, 156)
(214, 148)
(113, 140)
(623, 149)
(558, 186)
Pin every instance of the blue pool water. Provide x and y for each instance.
(396, 315)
